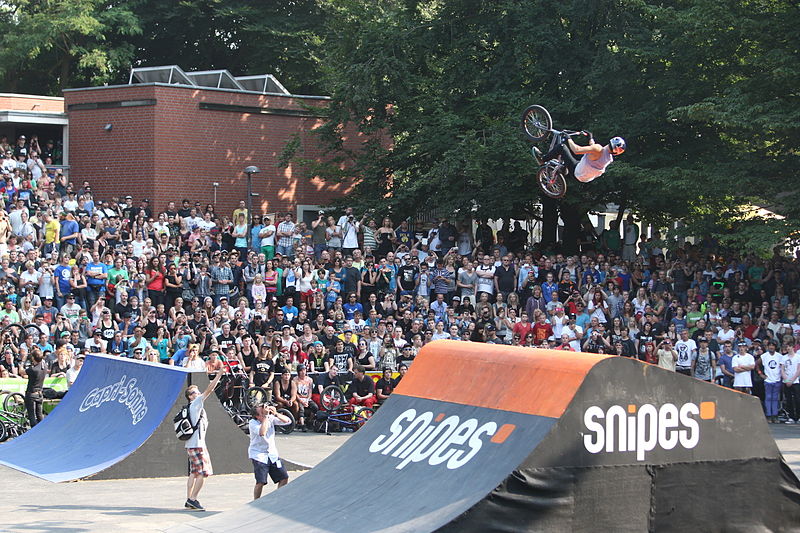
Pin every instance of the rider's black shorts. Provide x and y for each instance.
(277, 472)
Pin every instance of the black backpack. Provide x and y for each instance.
(183, 423)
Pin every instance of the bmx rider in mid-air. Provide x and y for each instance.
(595, 158)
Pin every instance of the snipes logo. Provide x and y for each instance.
(641, 429)
(438, 439)
(123, 391)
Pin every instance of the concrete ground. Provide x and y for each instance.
(32, 505)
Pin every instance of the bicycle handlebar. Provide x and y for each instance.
(571, 133)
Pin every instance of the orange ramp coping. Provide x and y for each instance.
(508, 378)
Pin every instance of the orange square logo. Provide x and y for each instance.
(631, 408)
(708, 410)
(503, 433)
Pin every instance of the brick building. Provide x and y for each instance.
(178, 136)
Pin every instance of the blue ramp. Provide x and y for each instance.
(112, 409)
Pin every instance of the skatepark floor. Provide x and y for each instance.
(32, 505)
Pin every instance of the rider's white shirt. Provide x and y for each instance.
(586, 170)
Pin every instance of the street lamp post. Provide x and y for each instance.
(250, 171)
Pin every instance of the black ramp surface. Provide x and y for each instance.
(412, 496)
(720, 472)
(163, 455)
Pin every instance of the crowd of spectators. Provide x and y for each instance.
(189, 286)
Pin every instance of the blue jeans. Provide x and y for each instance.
(286, 251)
(772, 394)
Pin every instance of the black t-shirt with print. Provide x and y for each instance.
(262, 368)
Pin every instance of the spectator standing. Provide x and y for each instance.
(35, 373)
(284, 233)
(771, 363)
(262, 451)
(350, 228)
(687, 352)
(199, 460)
(743, 363)
(791, 382)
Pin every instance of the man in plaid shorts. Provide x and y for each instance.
(199, 458)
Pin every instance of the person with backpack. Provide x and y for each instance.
(199, 458)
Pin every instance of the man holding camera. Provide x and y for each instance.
(318, 236)
(667, 356)
(262, 450)
(350, 228)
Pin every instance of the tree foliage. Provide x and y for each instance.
(52, 44)
(703, 90)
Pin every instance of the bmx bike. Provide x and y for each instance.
(237, 397)
(13, 416)
(552, 174)
(337, 414)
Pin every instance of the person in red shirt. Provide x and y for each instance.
(749, 329)
(564, 346)
(522, 327)
(542, 330)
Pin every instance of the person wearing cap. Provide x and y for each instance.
(770, 367)
(490, 335)
(317, 355)
(199, 460)
(267, 236)
(96, 344)
(743, 363)
(73, 371)
(704, 364)
(341, 358)
(21, 148)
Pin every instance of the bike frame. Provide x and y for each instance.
(555, 140)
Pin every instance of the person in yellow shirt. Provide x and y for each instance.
(241, 210)
(51, 232)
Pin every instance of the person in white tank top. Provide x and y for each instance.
(595, 157)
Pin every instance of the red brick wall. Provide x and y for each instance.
(25, 102)
(176, 150)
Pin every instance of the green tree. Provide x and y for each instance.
(280, 38)
(52, 44)
(680, 80)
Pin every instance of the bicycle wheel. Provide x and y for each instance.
(551, 181)
(15, 404)
(362, 415)
(3, 432)
(288, 428)
(536, 123)
(256, 396)
(332, 398)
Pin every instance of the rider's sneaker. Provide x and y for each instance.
(537, 154)
(194, 505)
